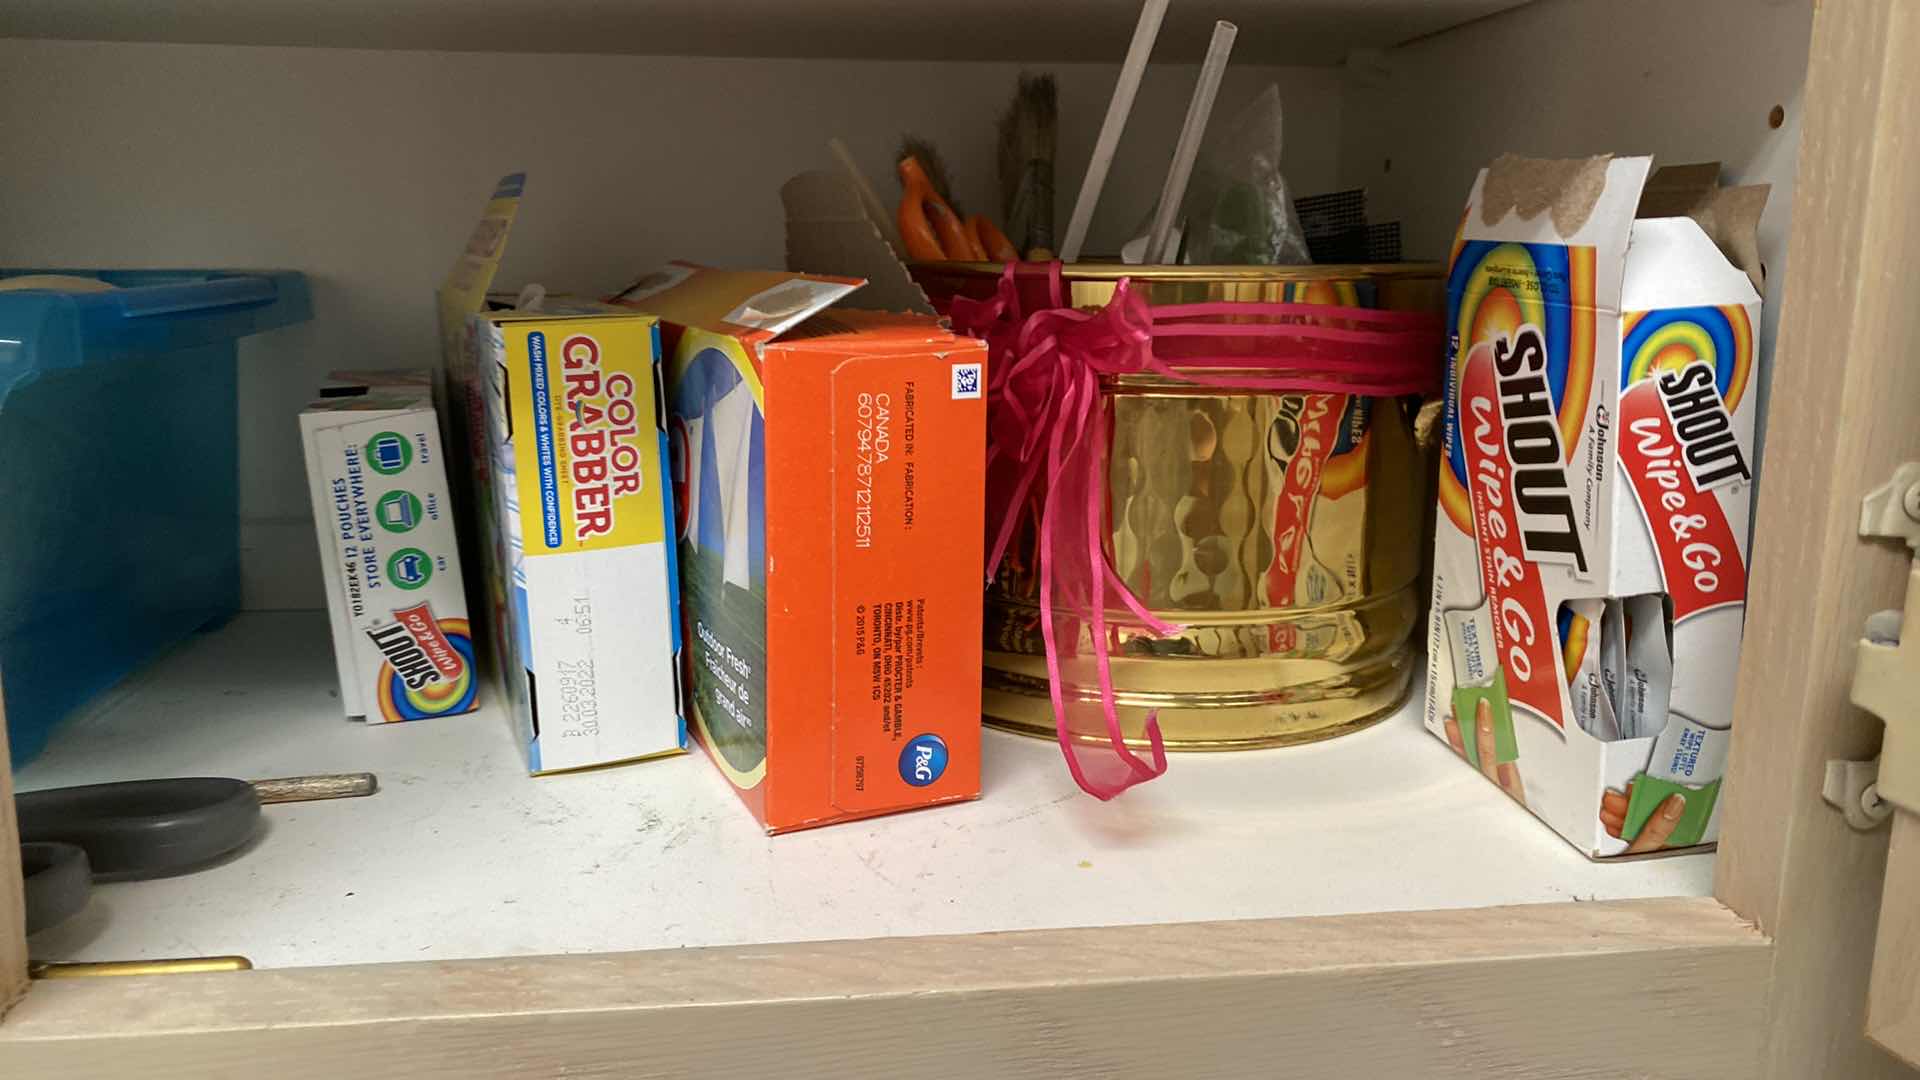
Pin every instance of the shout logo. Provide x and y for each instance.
(1514, 473)
(1701, 562)
(1549, 529)
(1700, 421)
(417, 650)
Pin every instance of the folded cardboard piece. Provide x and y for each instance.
(828, 479)
(837, 225)
(560, 415)
(1599, 438)
(396, 602)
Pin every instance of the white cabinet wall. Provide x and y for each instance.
(224, 137)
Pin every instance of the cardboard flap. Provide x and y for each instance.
(1568, 189)
(1577, 203)
(831, 230)
(1734, 224)
(1672, 263)
(858, 332)
(464, 292)
(754, 305)
(1729, 216)
(1679, 190)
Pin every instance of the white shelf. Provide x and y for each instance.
(462, 855)
(1086, 31)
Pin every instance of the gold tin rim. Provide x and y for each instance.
(1104, 271)
(1217, 746)
(1034, 729)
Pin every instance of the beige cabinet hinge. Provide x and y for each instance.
(1886, 673)
(1853, 788)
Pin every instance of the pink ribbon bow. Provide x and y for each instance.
(1047, 437)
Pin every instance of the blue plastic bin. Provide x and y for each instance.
(119, 476)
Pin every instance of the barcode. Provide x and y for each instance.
(966, 381)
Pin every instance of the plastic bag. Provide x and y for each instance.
(1582, 625)
(1238, 209)
(1646, 682)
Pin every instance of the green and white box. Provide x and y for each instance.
(398, 608)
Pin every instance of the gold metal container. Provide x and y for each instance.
(1283, 531)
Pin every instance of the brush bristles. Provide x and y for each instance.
(912, 145)
(1025, 161)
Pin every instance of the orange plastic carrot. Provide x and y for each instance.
(916, 230)
(963, 240)
(991, 240)
(928, 226)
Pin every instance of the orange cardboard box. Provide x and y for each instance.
(828, 475)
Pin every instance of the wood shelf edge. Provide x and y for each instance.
(1415, 993)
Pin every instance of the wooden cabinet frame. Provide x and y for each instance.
(1766, 979)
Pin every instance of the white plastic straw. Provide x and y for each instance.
(1122, 104)
(1160, 241)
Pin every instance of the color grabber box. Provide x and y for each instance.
(395, 598)
(581, 575)
(1589, 578)
(828, 471)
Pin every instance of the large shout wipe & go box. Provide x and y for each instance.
(1589, 578)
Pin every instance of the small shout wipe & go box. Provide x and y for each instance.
(395, 599)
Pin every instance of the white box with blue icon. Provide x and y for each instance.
(397, 605)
